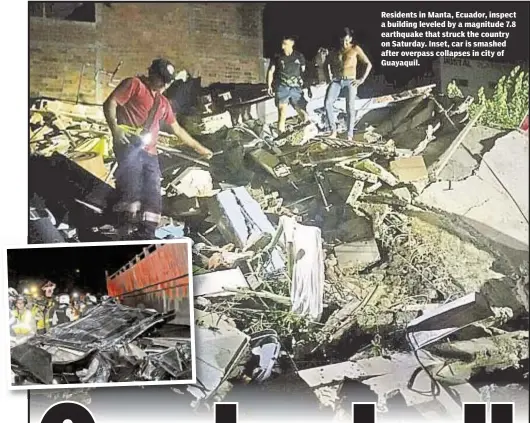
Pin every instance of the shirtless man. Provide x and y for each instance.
(343, 75)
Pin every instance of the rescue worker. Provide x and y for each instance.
(39, 314)
(13, 295)
(133, 112)
(22, 324)
(62, 313)
(342, 68)
(91, 302)
(287, 86)
(75, 309)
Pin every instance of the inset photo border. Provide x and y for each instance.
(101, 314)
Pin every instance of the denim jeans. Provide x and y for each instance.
(138, 182)
(332, 95)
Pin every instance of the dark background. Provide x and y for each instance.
(319, 24)
(60, 265)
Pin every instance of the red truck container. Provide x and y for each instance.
(158, 278)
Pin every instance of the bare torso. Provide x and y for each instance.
(348, 60)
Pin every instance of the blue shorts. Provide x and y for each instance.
(292, 95)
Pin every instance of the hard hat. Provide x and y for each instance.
(105, 298)
(64, 299)
(91, 299)
(12, 292)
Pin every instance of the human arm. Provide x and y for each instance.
(120, 96)
(187, 139)
(270, 79)
(364, 59)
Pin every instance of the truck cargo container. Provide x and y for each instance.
(158, 278)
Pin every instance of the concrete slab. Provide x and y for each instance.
(486, 200)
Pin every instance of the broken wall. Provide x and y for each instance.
(220, 42)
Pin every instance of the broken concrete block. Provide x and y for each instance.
(409, 169)
(355, 193)
(221, 283)
(270, 163)
(446, 319)
(382, 173)
(357, 255)
(239, 217)
(356, 174)
(403, 194)
(373, 188)
(298, 136)
(194, 182)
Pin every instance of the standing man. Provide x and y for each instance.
(22, 323)
(343, 75)
(288, 83)
(133, 112)
(63, 313)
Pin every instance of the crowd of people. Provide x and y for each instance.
(30, 315)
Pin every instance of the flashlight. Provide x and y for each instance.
(33, 289)
(75, 295)
(26, 291)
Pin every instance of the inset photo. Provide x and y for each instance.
(100, 314)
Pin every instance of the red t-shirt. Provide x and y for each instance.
(135, 100)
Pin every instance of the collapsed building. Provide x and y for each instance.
(397, 262)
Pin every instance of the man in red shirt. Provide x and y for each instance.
(133, 112)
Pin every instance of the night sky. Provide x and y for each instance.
(59, 265)
(319, 24)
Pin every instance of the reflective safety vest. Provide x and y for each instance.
(24, 323)
(39, 317)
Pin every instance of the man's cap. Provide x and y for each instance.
(163, 68)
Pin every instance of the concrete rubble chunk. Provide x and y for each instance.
(270, 163)
(380, 171)
(358, 254)
(403, 194)
(355, 193)
(221, 283)
(409, 169)
(356, 173)
(194, 182)
(222, 348)
(239, 217)
(447, 319)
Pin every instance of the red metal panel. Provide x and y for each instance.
(157, 272)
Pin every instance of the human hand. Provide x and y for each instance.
(119, 138)
(206, 153)
(270, 91)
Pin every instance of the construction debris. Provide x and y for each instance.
(310, 250)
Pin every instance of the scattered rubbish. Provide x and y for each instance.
(309, 250)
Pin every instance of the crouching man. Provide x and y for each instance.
(133, 112)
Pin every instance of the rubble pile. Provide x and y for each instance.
(314, 259)
(112, 343)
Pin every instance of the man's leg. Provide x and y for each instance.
(151, 198)
(128, 186)
(332, 94)
(299, 103)
(351, 94)
(282, 101)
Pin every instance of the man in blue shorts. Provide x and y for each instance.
(285, 82)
